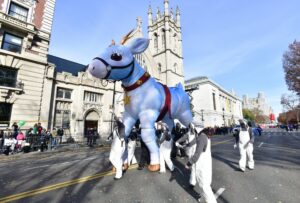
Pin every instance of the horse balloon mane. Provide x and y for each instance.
(145, 99)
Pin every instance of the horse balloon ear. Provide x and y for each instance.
(138, 45)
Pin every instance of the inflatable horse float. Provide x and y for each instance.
(145, 98)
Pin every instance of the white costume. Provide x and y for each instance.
(117, 153)
(130, 152)
(203, 166)
(144, 98)
(246, 149)
(165, 152)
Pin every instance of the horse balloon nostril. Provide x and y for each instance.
(93, 67)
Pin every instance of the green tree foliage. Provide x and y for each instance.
(248, 114)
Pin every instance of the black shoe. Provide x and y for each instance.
(191, 186)
(117, 178)
(140, 167)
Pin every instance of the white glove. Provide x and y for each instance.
(234, 146)
(178, 145)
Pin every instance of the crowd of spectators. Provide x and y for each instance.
(36, 138)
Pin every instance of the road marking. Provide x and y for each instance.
(57, 186)
(217, 143)
(260, 144)
(219, 192)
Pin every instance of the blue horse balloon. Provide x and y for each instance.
(145, 98)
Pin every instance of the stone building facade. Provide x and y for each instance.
(259, 102)
(24, 37)
(211, 104)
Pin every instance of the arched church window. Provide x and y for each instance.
(155, 40)
(163, 37)
(159, 67)
(175, 41)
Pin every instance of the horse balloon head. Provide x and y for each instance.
(117, 61)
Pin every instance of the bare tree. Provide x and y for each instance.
(291, 66)
(291, 102)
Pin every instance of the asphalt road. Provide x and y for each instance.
(84, 176)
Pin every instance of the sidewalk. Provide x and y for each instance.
(64, 147)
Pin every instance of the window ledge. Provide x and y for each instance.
(11, 88)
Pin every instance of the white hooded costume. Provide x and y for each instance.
(203, 167)
(166, 144)
(245, 139)
(117, 153)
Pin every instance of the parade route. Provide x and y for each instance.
(85, 176)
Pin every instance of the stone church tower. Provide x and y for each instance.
(164, 32)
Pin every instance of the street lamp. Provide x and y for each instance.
(202, 118)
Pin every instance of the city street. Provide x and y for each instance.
(85, 176)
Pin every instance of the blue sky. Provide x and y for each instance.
(237, 43)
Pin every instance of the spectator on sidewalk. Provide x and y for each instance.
(9, 145)
(60, 133)
(54, 138)
(1, 139)
(15, 129)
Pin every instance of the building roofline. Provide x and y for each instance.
(205, 79)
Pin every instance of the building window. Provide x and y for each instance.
(175, 68)
(92, 97)
(8, 77)
(163, 37)
(18, 11)
(155, 41)
(214, 100)
(62, 114)
(5, 113)
(159, 68)
(12, 43)
(63, 93)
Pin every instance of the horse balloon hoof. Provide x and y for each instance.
(154, 167)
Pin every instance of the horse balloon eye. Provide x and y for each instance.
(116, 57)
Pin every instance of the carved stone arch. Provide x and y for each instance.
(86, 113)
(10, 61)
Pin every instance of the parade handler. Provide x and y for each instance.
(245, 139)
(118, 147)
(144, 98)
(190, 141)
(166, 143)
(203, 164)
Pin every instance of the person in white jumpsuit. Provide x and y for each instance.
(203, 164)
(166, 144)
(130, 160)
(245, 140)
(117, 153)
(190, 148)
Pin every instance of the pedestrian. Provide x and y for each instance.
(60, 133)
(39, 128)
(118, 146)
(166, 143)
(54, 138)
(89, 141)
(9, 144)
(20, 141)
(35, 129)
(1, 139)
(245, 140)
(203, 164)
(15, 129)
